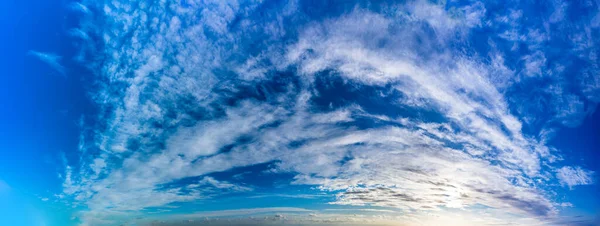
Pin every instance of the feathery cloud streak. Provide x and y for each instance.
(387, 105)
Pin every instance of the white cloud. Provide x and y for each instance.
(98, 165)
(221, 185)
(559, 11)
(242, 212)
(535, 64)
(51, 59)
(78, 7)
(572, 177)
(174, 90)
(451, 86)
(78, 33)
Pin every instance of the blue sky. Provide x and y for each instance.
(402, 113)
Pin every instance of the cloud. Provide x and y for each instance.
(51, 59)
(78, 7)
(572, 177)
(379, 107)
(276, 216)
(221, 185)
(243, 212)
(78, 33)
(454, 88)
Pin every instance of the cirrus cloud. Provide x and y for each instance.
(377, 106)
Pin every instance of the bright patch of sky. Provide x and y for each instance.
(309, 112)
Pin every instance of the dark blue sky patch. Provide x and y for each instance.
(264, 91)
(334, 92)
(259, 177)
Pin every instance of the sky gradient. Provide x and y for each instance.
(183, 112)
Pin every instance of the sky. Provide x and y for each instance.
(299, 112)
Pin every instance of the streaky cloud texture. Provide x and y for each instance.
(426, 111)
(570, 176)
(51, 60)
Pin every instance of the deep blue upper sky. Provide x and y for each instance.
(416, 112)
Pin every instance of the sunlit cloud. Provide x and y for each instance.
(378, 109)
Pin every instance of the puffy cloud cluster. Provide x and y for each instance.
(380, 105)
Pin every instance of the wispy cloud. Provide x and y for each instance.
(379, 107)
(78, 7)
(51, 60)
(571, 177)
(245, 212)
